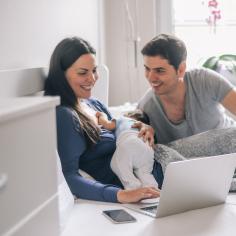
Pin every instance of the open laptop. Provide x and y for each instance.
(192, 184)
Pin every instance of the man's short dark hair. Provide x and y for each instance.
(168, 47)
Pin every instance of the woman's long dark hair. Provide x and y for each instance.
(64, 55)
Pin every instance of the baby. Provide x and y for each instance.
(133, 159)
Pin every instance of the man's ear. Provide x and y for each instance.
(182, 69)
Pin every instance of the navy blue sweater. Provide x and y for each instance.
(75, 153)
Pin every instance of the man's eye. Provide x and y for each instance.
(160, 71)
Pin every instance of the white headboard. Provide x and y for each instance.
(21, 82)
(25, 82)
(101, 87)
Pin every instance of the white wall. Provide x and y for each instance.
(30, 29)
(125, 22)
(164, 16)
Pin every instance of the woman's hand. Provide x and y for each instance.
(136, 195)
(146, 132)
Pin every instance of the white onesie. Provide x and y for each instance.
(133, 159)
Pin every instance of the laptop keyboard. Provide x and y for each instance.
(151, 209)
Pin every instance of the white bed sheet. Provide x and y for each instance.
(86, 219)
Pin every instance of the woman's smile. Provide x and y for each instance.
(87, 87)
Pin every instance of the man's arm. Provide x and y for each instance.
(229, 101)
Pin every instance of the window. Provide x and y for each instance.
(208, 27)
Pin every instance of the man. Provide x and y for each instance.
(182, 103)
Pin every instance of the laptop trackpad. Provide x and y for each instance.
(150, 209)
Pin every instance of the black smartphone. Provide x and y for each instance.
(119, 216)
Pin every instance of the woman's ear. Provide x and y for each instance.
(182, 69)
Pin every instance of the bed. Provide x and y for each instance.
(77, 218)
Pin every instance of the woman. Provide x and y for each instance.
(81, 143)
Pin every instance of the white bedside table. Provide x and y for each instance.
(28, 175)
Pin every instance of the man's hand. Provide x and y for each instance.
(146, 132)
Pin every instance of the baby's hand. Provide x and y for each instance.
(104, 122)
(102, 118)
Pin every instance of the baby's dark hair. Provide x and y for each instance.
(138, 115)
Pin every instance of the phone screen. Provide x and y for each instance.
(119, 216)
